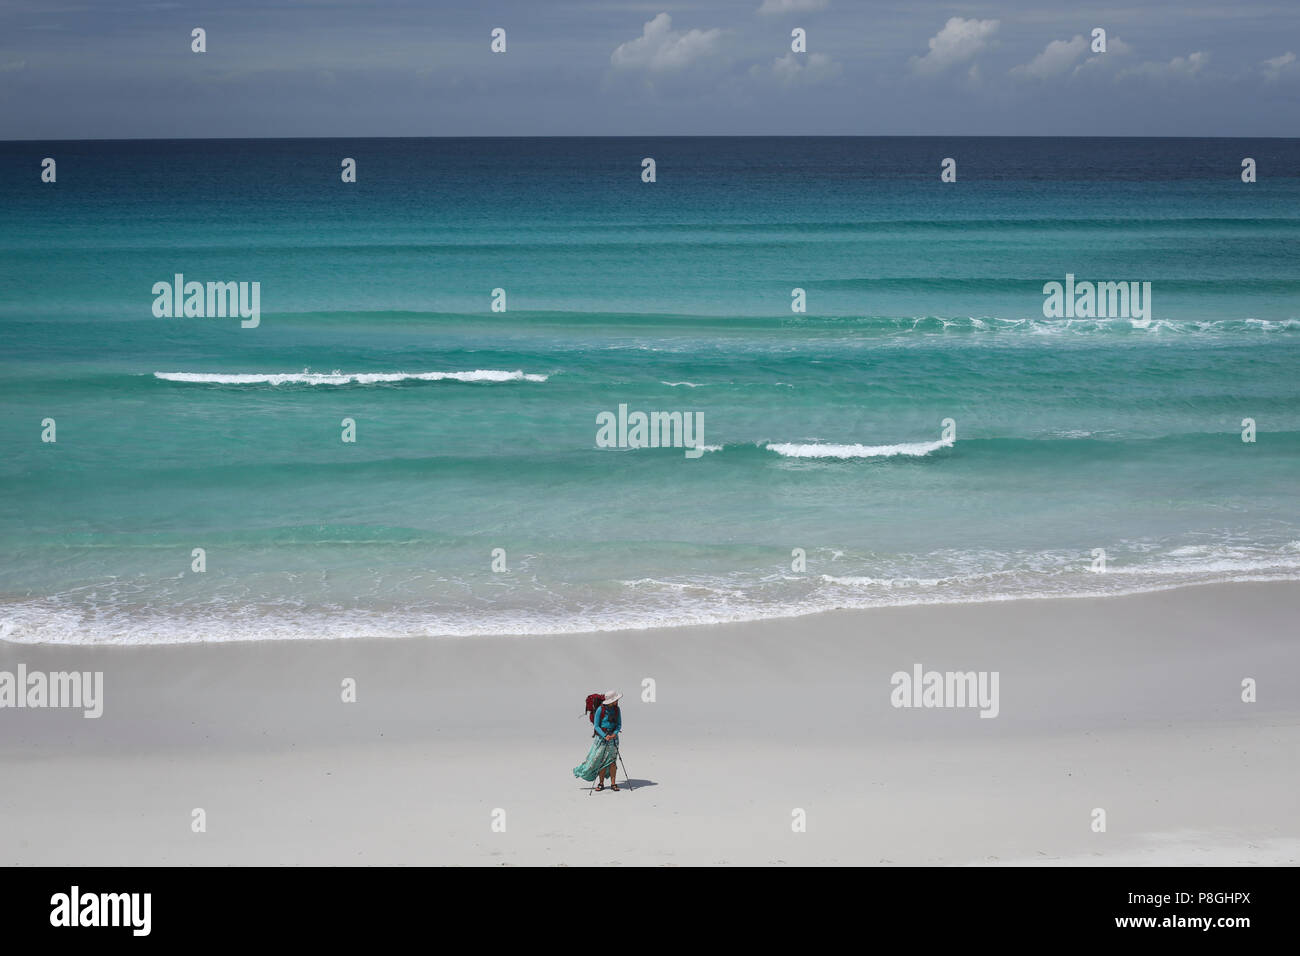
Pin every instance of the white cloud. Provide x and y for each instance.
(660, 48)
(1178, 67)
(958, 41)
(1057, 57)
(1116, 49)
(798, 69)
(1276, 66)
(791, 6)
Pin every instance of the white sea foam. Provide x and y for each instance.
(931, 325)
(676, 604)
(146, 611)
(345, 378)
(816, 450)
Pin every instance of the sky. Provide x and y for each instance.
(111, 69)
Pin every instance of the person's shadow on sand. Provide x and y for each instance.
(630, 784)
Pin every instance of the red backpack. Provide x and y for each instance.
(594, 701)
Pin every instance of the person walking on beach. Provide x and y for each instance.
(602, 758)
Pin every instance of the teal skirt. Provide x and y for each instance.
(600, 757)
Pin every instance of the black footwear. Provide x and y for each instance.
(601, 787)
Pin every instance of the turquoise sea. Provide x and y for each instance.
(476, 429)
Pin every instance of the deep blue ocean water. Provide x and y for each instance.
(924, 303)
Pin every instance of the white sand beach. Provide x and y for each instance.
(1128, 704)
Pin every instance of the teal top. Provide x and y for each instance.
(608, 722)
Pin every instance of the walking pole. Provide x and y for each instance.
(625, 773)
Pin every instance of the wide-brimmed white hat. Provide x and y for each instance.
(612, 697)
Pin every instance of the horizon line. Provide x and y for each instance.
(217, 139)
